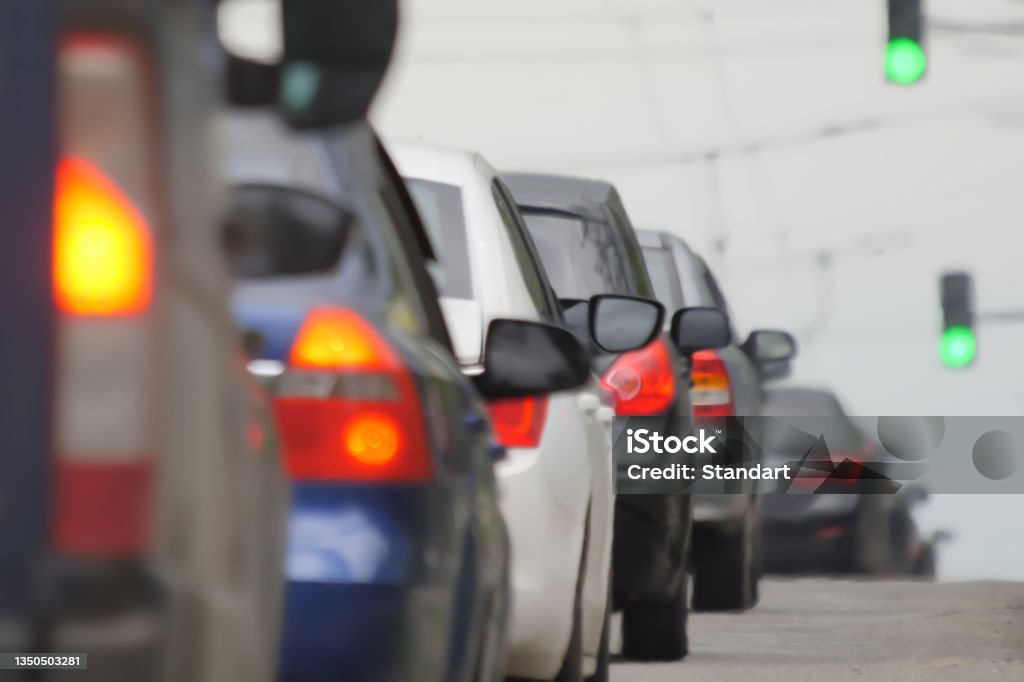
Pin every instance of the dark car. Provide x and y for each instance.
(726, 382)
(842, 530)
(397, 561)
(588, 246)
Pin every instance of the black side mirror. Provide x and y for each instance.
(700, 328)
(329, 67)
(523, 358)
(771, 350)
(618, 324)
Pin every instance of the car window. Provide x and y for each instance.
(663, 277)
(274, 232)
(440, 207)
(528, 265)
(716, 292)
(581, 259)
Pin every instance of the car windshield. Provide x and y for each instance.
(663, 277)
(440, 207)
(581, 259)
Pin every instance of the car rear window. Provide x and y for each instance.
(581, 258)
(663, 277)
(270, 233)
(440, 207)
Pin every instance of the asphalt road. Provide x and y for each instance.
(814, 630)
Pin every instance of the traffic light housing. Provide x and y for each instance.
(958, 345)
(905, 58)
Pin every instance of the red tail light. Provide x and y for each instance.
(642, 381)
(519, 423)
(103, 274)
(711, 393)
(840, 470)
(348, 408)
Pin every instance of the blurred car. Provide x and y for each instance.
(142, 522)
(556, 480)
(398, 554)
(587, 246)
(831, 532)
(726, 382)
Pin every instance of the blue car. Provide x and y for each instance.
(397, 560)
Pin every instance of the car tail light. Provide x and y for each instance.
(643, 381)
(103, 274)
(519, 422)
(839, 470)
(348, 408)
(711, 393)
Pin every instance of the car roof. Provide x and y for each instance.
(421, 160)
(651, 239)
(582, 196)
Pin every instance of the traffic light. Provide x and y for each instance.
(905, 58)
(957, 346)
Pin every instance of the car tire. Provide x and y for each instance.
(925, 563)
(724, 573)
(656, 631)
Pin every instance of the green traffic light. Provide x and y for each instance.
(958, 347)
(905, 61)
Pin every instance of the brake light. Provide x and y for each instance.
(519, 422)
(643, 381)
(102, 278)
(711, 393)
(348, 408)
(102, 262)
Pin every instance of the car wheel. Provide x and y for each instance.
(924, 565)
(657, 631)
(723, 569)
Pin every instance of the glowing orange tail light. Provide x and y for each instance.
(103, 262)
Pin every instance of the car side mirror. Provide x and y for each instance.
(618, 324)
(700, 328)
(771, 350)
(524, 358)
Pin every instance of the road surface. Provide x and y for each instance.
(813, 630)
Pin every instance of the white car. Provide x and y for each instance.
(556, 476)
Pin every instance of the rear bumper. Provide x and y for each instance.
(372, 583)
(649, 548)
(365, 632)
